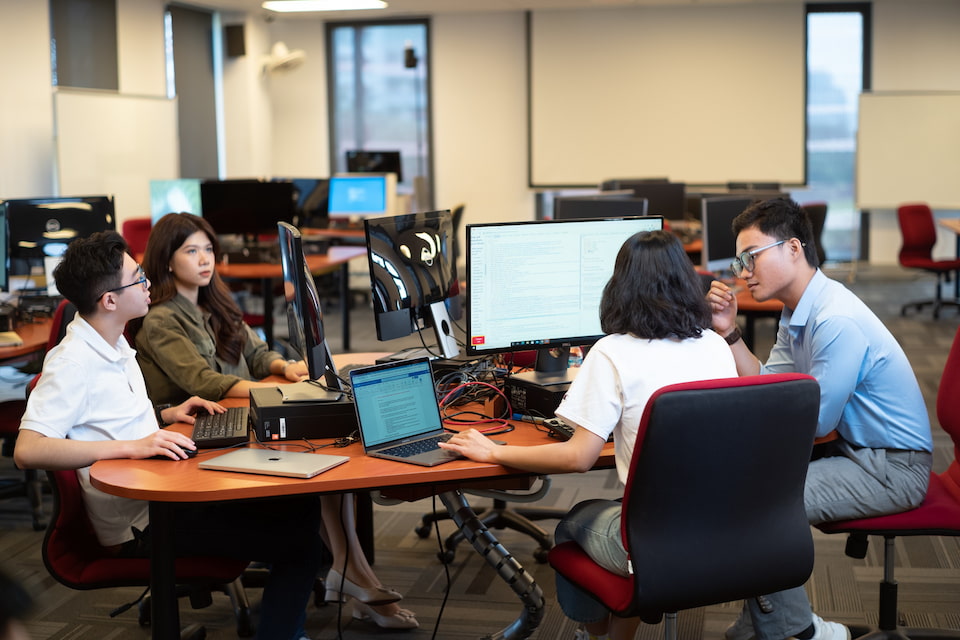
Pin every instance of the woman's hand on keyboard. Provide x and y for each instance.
(471, 444)
(184, 412)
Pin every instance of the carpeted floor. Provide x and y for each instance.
(478, 603)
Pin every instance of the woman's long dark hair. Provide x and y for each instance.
(166, 237)
(654, 291)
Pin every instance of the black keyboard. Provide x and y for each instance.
(417, 447)
(215, 430)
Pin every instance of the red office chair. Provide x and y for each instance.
(136, 231)
(939, 515)
(713, 507)
(74, 556)
(919, 236)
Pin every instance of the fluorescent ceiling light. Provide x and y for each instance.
(291, 6)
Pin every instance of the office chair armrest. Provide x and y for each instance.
(510, 496)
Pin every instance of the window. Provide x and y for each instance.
(84, 43)
(379, 80)
(838, 62)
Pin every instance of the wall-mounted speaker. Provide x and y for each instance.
(233, 36)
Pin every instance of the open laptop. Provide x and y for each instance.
(398, 413)
(291, 464)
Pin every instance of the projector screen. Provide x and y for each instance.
(699, 94)
(908, 149)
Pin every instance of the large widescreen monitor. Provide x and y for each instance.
(39, 229)
(356, 196)
(719, 243)
(607, 204)
(250, 208)
(365, 161)
(537, 285)
(667, 199)
(413, 275)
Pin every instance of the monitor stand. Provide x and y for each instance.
(551, 368)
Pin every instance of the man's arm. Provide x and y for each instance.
(723, 305)
(36, 451)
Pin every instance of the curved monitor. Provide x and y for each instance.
(412, 275)
(537, 285)
(305, 315)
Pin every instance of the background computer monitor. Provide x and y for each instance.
(413, 275)
(667, 199)
(537, 285)
(247, 207)
(174, 196)
(304, 312)
(362, 195)
(41, 228)
(364, 161)
(4, 284)
(719, 243)
(607, 204)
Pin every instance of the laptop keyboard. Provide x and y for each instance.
(214, 430)
(411, 449)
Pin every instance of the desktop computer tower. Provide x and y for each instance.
(537, 394)
(274, 419)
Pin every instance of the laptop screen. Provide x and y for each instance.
(395, 401)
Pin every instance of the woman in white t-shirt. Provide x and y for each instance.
(657, 322)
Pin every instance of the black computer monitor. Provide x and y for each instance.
(607, 204)
(537, 285)
(304, 312)
(310, 197)
(667, 199)
(41, 228)
(249, 208)
(719, 243)
(413, 275)
(364, 161)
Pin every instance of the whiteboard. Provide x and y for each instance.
(699, 94)
(908, 149)
(110, 143)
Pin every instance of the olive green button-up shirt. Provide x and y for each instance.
(176, 350)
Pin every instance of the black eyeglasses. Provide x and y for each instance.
(746, 260)
(141, 280)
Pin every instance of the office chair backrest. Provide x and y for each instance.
(136, 231)
(948, 407)
(713, 506)
(918, 232)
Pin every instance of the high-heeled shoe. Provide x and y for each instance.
(339, 588)
(402, 619)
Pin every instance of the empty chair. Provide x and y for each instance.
(136, 231)
(919, 235)
(696, 533)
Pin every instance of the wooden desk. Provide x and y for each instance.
(319, 264)
(34, 335)
(954, 225)
(165, 483)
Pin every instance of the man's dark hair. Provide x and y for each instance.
(90, 267)
(654, 291)
(780, 218)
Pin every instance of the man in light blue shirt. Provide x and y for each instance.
(881, 459)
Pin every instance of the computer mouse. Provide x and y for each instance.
(191, 453)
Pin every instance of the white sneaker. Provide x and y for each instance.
(742, 628)
(824, 630)
(581, 634)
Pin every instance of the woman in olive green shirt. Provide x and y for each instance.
(193, 341)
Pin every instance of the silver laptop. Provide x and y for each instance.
(398, 413)
(291, 464)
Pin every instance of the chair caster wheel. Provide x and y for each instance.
(540, 555)
(422, 531)
(446, 556)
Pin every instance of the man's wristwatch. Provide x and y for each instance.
(733, 337)
(159, 410)
(287, 364)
